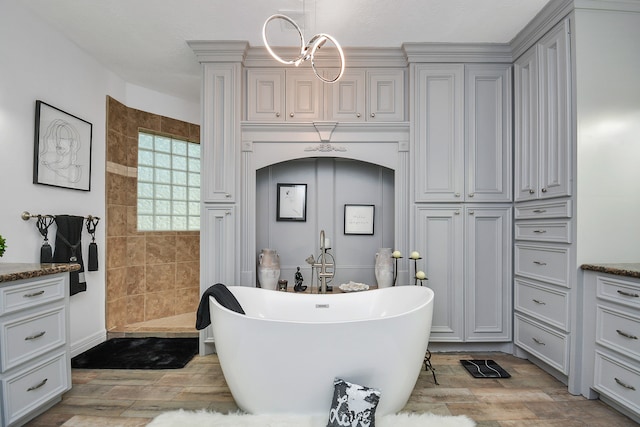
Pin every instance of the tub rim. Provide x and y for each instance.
(429, 300)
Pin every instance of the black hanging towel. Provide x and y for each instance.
(69, 250)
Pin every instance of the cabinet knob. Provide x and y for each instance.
(457, 194)
(471, 194)
(472, 212)
(531, 191)
(227, 213)
(373, 114)
(227, 195)
(291, 114)
(457, 212)
(544, 190)
(358, 115)
(277, 114)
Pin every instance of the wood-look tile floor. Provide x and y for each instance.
(529, 398)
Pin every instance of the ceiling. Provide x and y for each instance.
(144, 41)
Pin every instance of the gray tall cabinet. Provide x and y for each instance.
(462, 168)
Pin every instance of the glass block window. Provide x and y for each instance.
(168, 184)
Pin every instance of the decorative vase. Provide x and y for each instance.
(268, 269)
(384, 268)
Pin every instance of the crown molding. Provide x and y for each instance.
(458, 52)
(257, 56)
(219, 50)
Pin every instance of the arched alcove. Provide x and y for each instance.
(384, 148)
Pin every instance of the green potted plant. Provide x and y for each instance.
(3, 245)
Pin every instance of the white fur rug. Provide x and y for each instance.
(183, 418)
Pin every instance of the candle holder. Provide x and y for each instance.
(415, 271)
(395, 270)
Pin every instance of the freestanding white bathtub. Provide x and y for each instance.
(283, 355)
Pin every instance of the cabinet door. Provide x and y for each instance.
(488, 273)
(439, 132)
(488, 133)
(304, 97)
(217, 263)
(440, 241)
(221, 131)
(265, 95)
(555, 118)
(526, 126)
(385, 89)
(345, 98)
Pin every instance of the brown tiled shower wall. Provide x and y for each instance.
(150, 275)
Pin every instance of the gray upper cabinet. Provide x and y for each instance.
(543, 118)
(361, 95)
(462, 128)
(488, 133)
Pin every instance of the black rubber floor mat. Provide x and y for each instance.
(484, 369)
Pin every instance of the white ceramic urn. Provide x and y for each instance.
(268, 269)
(384, 268)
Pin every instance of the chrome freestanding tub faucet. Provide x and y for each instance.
(322, 265)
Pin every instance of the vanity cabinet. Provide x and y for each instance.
(35, 365)
(299, 96)
(462, 129)
(611, 364)
(542, 97)
(467, 259)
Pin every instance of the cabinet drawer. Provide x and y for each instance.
(618, 331)
(26, 337)
(543, 303)
(544, 231)
(550, 346)
(31, 293)
(545, 263)
(554, 209)
(624, 292)
(26, 390)
(618, 381)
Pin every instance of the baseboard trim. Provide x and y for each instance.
(85, 344)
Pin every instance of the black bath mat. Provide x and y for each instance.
(484, 369)
(138, 353)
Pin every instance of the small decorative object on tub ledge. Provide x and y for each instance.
(353, 287)
(418, 275)
(298, 286)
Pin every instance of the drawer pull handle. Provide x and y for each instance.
(35, 387)
(34, 294)
(539, 263)
(539, 231)
(627, 386)
(626, 335)
(35, 336)
(537, 341)
(628, 294)
(539, 210)
(537, 301)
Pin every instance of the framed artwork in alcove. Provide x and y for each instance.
(292, 202)
(359, 219)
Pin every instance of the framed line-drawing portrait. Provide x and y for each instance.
(358, 219)
(292, 202)
(62, 149)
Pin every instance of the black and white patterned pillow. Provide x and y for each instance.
(353, 405)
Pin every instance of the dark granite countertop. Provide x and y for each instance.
(628, 269)
(17, 271)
